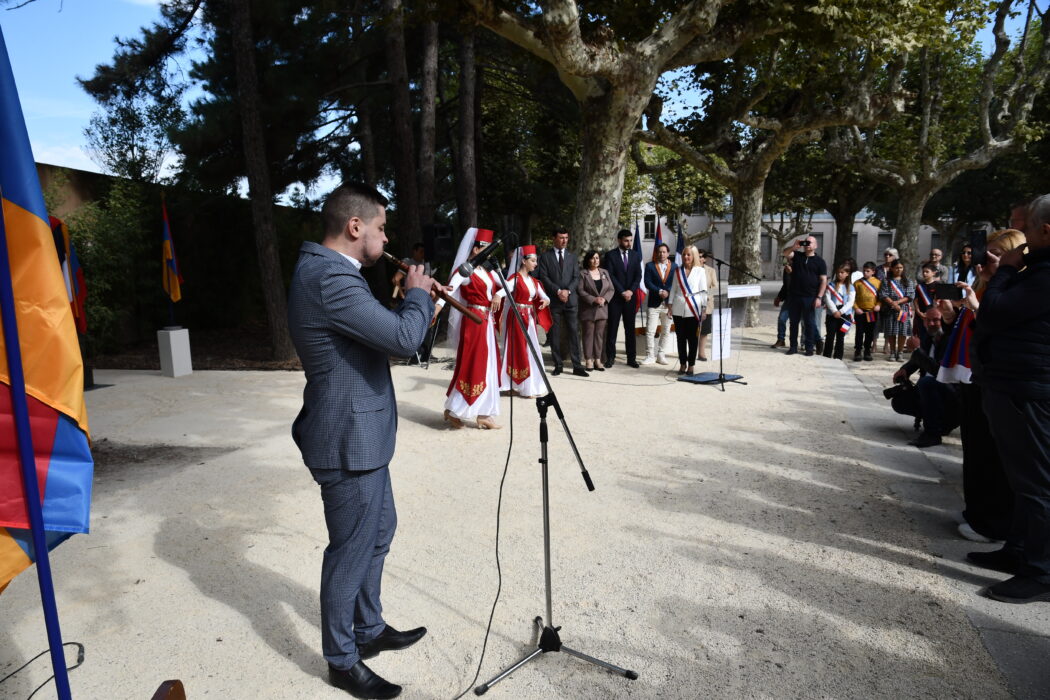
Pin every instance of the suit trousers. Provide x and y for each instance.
(686, 328)
(989, 500)
(359, 512)
(1022, 433)
(565, 320)
(620, 311)
(593, 339)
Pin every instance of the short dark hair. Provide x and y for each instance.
(870, 266)
(559, 229)
(623, 233)
(702, 252)
(586, 259)
(932, 267)
(664, 245)
(348, 200)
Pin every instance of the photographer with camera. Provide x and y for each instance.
(936, 403)
(809, 281)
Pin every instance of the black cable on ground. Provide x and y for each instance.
(499, 572)
(80, 660)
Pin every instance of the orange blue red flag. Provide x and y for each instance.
(50, 358)
(172, 277)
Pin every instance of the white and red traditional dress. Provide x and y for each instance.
(474, 389)
(520, 371)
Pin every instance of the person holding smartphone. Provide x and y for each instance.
(809, 281)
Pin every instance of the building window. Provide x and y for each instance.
(767, 248)
(853, 246)
(819, 237)
(649, 227)
(885, 241)
(935, 242)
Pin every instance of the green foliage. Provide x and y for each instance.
(128, 137)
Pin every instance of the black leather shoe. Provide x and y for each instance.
(556, 372)
(1019, 589)
(997, 560)
(361, 682)
(926, 440)
(792, 351)
(580, 372)
(390, 640)
(633, 364)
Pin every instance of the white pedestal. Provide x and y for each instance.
(174, 345)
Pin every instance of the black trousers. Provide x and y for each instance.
(1022, 433)
(835, 340)
(565, 319)
(865, 331)
(620, 311)
(986, 492)
(686, 328)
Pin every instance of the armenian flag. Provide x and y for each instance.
(172, 280)
(72, 273)
(50, 358)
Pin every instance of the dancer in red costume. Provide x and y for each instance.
(474, 389)
(520, 371)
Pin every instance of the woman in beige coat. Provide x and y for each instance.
(595, 289)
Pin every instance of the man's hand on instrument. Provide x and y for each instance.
(415, 279)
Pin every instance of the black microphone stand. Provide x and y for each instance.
(549, 639)
(721, 377)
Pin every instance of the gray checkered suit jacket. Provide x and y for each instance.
(343, 336)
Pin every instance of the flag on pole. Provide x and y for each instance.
(172, 280)
(659, 237)
(47, 376)
(679, 246)
(639, 294)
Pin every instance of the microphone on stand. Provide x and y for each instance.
(468, 267)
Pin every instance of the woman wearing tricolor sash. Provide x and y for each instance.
(838, 302)
(688, 307)
(896, 294)
(520, 372)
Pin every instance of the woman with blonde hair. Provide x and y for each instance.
(688, 302)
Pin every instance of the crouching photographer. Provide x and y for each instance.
(935, 403)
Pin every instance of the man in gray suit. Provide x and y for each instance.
(348, 423)
(559, 271)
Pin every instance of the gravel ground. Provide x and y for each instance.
(772, 540)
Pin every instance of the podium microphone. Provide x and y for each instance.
(467, 268)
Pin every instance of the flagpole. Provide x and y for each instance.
(27, 460)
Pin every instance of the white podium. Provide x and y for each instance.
(174, 345)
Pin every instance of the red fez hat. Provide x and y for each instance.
(528, 250)
(483, 237)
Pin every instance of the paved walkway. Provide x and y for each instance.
(774, 540)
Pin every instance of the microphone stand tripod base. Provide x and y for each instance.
(712, 378)
(551, 641)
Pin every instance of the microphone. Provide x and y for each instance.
(468, 267)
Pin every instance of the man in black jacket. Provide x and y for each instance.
(936, 403)
(559, 271)
(625, 269)
(1012, 365)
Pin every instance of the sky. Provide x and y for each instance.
(50, 43)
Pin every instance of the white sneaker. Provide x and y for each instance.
(661, 360)
(649, 360)
(969, 533)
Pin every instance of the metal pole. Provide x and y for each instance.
(20, 410)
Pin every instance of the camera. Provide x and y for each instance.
(803, 243)
(898, 389)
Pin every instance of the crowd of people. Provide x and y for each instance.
(977, 336)
(581, 303)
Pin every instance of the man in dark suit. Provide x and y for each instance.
(625, 268)
(559, 271)
(348, 423)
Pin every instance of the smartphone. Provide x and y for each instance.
(944, 290)
(979, 244)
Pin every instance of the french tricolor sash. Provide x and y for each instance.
(955, 363)
(902, 315)
(923, 294)
(690, 302)
(839, 301)
(870, 287)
